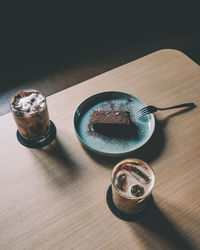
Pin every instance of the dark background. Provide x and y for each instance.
(52, 46)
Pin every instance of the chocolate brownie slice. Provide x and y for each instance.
(110, 121)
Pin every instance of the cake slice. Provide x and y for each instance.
(110, 121)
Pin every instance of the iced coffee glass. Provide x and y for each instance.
(132, 184)
(29, 109)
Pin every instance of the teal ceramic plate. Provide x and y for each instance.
(113, 145)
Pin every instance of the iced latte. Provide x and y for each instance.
(132, 184)
(29, 109)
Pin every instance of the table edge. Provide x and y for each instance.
(167, 50)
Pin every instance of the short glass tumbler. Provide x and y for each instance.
(132, 184)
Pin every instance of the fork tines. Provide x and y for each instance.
(142, 112)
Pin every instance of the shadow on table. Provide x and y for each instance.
(157, 223)
(153, 221)
(150, 151)
(61, 166)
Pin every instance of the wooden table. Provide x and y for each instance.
(55, 197)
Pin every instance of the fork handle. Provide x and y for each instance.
(190, 104)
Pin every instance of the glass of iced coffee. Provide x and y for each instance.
(29, 109)
(132, 184)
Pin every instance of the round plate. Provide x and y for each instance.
(113, 145)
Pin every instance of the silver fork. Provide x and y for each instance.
(152, 109)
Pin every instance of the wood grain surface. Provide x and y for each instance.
(55, 197)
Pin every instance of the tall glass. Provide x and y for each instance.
(29, 109)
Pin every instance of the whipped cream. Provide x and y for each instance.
(29, 104)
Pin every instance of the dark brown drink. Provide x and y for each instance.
(29, 109)
(132, 184)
